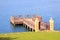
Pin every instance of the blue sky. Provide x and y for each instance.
(34, 6)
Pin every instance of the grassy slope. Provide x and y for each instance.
(31, 36)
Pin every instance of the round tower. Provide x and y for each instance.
(51, 24)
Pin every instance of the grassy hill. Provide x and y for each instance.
(31, 36)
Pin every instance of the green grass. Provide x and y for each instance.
(31, 36)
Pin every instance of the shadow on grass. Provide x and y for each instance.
(7, 38)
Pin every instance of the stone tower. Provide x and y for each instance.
(51, 24)
(36, 25)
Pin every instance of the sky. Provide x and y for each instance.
(32, 6)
